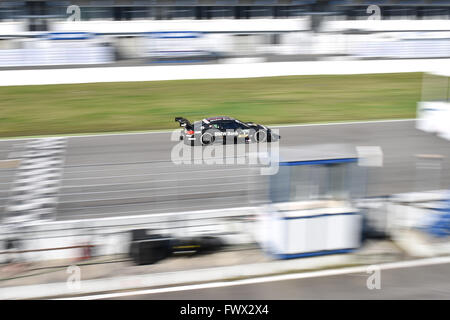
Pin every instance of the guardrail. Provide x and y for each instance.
(386, 217)
(214, 71)
(112, 235)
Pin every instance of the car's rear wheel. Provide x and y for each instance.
(207, 138)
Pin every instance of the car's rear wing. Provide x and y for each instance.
(184, 122)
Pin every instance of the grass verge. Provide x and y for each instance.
(106, 107)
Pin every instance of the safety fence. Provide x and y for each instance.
(68, 239)
(214, 71)
(400, 218)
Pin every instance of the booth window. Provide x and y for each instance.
(313, 182)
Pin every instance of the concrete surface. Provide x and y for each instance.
(426, 282)
(118, 273)
(112, 175)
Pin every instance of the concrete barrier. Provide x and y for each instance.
(419, 222)
(111, 235)
(214, 71)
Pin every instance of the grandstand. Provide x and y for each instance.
(129, 31)
(38, 12)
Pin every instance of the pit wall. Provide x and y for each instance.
(110, 236)
(233, 69)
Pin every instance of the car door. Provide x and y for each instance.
(222, 129)
(230, 128)
(242, 130)
(215, 128)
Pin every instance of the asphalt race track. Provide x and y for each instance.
(424, 282)
(131, 174)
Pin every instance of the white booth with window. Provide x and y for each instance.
(311, 210)
(433, 111)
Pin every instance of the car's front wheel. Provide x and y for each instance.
(260, 136)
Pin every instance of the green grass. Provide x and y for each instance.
(106, 107)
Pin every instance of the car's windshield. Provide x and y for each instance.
(242, 124)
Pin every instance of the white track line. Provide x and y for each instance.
(151, 164)
(163, 215)
(341, 123)
(165, 180)
(120, 215)
(155, 188)
(154, 174)
(118, 184)
(303, 275)
(173, 166)
(170, 131)
(66, 210)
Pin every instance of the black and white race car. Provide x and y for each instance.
(223, 129)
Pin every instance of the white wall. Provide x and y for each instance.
(215, 25)
(386, 25)
(213, 71)
(9, 28)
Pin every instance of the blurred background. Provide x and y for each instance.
(80, 187)
(38, 33)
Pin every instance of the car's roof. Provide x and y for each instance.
(218, 118)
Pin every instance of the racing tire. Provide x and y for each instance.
(207, 139)
(260, 136)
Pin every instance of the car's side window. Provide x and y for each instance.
(229, 125)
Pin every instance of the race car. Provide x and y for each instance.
(223, 129)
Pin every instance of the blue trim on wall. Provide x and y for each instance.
(325, 161)
(178, 61)
(311, 254)
(164, 32)
(321, 215)
(172, 34)
(67, 35)
(439, 209)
